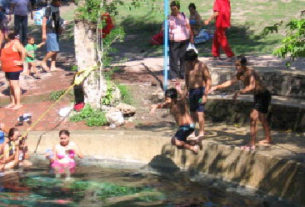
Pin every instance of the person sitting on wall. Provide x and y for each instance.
(262, 99)
(11, 150)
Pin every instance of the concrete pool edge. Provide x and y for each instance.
(276, 176)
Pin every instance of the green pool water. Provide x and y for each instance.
(93, 186)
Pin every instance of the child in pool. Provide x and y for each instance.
(23, 153)
(63, 160)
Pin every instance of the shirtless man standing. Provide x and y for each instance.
(198, 83)
(179, 109)
(262, 99)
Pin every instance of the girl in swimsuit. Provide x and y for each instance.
(64, 153)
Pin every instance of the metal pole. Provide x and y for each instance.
(165, 47)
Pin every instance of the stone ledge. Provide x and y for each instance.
(286, 113)
(276, 175)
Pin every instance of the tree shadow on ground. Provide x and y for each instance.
(139, 32)
(6, 91)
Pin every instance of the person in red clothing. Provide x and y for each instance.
(222, 14)
(109, 24)
(12, 58)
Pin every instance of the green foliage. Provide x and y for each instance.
(115, 35)
(109, 73)
(293, 44)
(108, 97)
(74, 68)
(89, 11)
(55, 95)
(125, 94)
(91, 116)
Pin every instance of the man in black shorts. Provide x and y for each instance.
(262, 99)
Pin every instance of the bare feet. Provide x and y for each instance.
(265, 142)
(54, 69)
(248, 148)
(11, 105)
(16, 107)
(45, 67)
(195, 149)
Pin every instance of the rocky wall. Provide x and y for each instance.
(281, 116)
(279, 82)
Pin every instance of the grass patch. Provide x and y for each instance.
(91, 117)
(55, 95)
(248, 20)
(125, 94)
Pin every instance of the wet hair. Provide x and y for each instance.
(171, 93)
(190, 55)
(12, 35)
(11, 132)
(242, 60)
(192, 5)
(175, 3)
(65, 132)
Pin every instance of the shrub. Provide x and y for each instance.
(91, 117)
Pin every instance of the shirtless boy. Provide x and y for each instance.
(262, 99)
(179, 109)
(198, 83)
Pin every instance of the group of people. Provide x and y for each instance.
(14, 152)
(182, 32)
(187, 106)
(18, 50)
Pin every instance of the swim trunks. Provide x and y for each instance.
(262, 101)
(195, 98)
(184, 131)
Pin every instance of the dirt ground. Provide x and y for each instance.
(143, 76)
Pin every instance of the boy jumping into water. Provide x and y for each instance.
(262, 99)
(198, 83)
(179, 109)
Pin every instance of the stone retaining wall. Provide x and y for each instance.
(274, 175)
(279, 82)
(281, 116)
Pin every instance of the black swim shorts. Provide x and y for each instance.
(262, 101)
(12, 75)
(195, 98)
(184, 131)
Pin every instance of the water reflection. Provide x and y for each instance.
(93, 186)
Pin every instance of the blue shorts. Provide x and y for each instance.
(184, 131)
(52, 42)
(12, 75)
(195, 98)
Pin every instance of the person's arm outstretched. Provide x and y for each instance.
(158, 106)
(215, 14)
(223, 85)
(41, 44)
